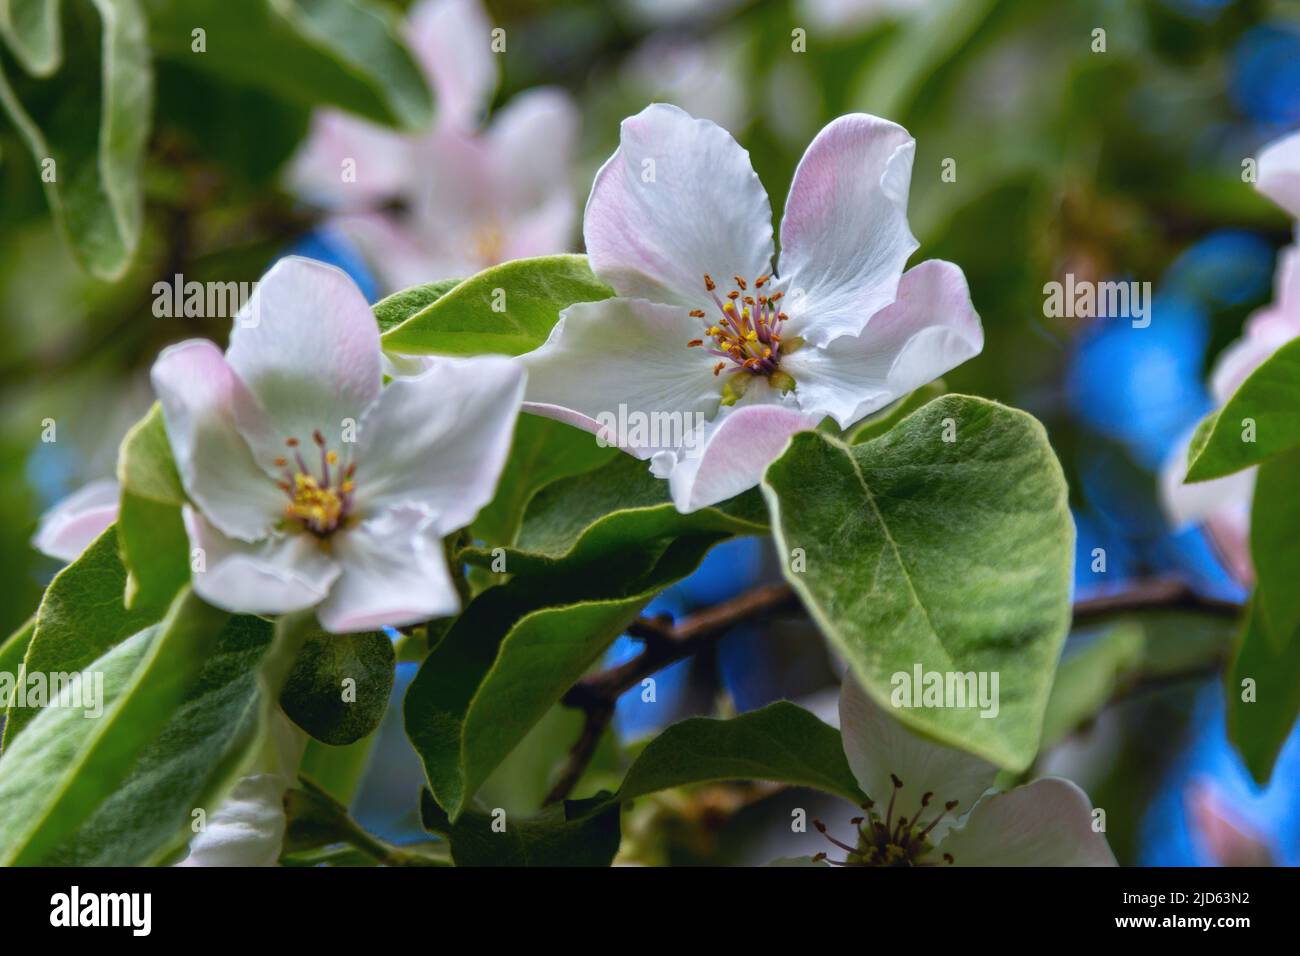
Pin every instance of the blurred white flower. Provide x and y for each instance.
(66, 529)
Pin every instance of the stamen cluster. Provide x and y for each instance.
(318, 503)
(886, 841)
(748, 332)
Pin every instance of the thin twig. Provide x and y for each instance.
(666, 643)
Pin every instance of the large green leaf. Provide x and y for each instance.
(616, 507)
(150, 530)
(944, 544)
(395, 309)
(508, 309)
(92, 120)
(1259, 726)
(190, 764)
(339, 686)
(64, 765)
(512, 654)
(1274, 533)
(543, 451)
(80, 618)
(347, 53)
(1267, 403)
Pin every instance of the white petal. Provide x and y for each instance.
(438, 440)
(347, 163)
(1279, 173)
(307, 346)
(281, 573)
(532, 140)
(206, 409)
(247, 829)
(877, 744)
(400, 255)
(733, 452)
(678, 199)
(394, 573)
(630, 353)
(1189, 504)
(1044, 823)
(929, 330)
(844, 237)
(67, 528)
(453, 41)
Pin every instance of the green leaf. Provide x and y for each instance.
(946, 543)
(64, 765)
(190, 765)
(1274, 531)
(1088, 677)
(543, 451)
(1270, 399)
(339, 685)
(150, 529)
(512, 654)
(337, 770)
(508, 309)
(781, 742)
(32, 30)
(1264, 669)
(617, 507)
(80, 618)
(570, 835)
(145, 465)
(347, 53)
(395, 309)
(95, 194)
(15, 647)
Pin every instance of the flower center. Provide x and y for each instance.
(746, 332)
(886, 841)
(318, 503)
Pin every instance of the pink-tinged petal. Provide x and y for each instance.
(307, 347)
(280, 573)
(394, 573)
(845, 238)
(532, 139)
(1267, 330)
(205, 409)
(930, 329)
(545, 230)
(629, 353)
(67, 528)
(400, 255)
(877, 744)
(1279, 173)
(346, 163)
(1228, 839)
(438, 440)
(1222, 506)
(1229, 531)
(678, 199)
(733, 452)
(452, 39)
(1044, 823)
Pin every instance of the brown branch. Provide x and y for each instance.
(666, 643)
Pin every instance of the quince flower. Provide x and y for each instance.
(930, 804)
(1222, 505)
(706, 342)
(313, 486)
(69, 527)
(456, 200)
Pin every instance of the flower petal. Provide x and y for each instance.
(394, 573)
(381, 162)
(732, 453)
(307, 346)
(532, 139)
(1279, 173)
(1044, 823)
(844, 237)
(1189, 504)
(877, 744)
(276, 575)
(678, 199)
(452, 39)
(248, 827)
(628, 356)
(67, 528)
(930, 329)
(399, 254)
(203, 404)
(438, 440)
